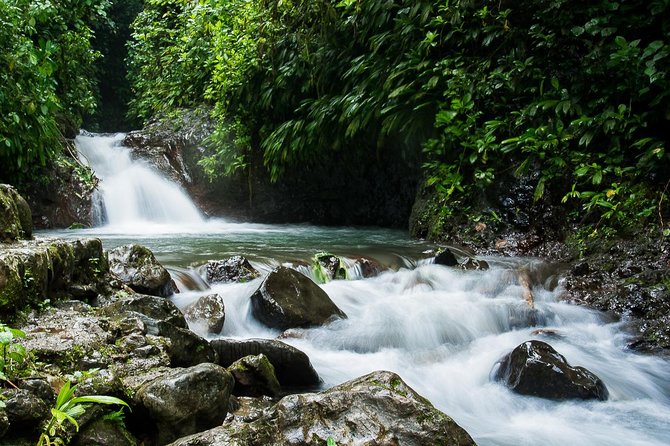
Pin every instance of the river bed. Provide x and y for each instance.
(441, 329)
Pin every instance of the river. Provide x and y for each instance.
(441, 329)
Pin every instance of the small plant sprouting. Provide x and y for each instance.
(68, 408)
(13, 354)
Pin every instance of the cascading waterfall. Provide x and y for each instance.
(130, 191)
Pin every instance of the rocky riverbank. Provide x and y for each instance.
(101, 322)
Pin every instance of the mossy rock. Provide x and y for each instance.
(254, 376)
(15, 216)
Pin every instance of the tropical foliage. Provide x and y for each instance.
(46, 78)
(576, 93)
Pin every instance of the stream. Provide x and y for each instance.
(441, 329)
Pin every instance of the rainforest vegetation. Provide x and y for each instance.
(574, 96)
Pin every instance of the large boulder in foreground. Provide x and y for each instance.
(288, 299)
(186, 401)
(292, 366)
(137, 267)
(15, 216)
(376, 409)
(534, 368)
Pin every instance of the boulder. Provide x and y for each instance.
(376, 409)
(254, 376)
(103, 432)
(209, 311)
(288, 299)
(15, 216)
(156, 308)
(446, 258)
(25, 409)
(292, 366)
(534, 368)
(186, 401)
(160, 317)
(31, 271)
(233, 269)
(137, 267)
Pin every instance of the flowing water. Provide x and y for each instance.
(441, 329)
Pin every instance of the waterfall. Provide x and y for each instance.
(131, 192)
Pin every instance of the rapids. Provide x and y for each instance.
(441, 329)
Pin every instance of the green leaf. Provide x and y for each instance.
(577, 30)
(99, 399)
(539, 190)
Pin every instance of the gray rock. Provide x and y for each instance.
(104, 433)
(254, 376)
(292, 366)
(376, 409)
(534, 368)
(25, 409)
(156, 308)
(31, 271)
(137, 267)
(186, 401)
(208, 310)
(288, 299)
(233, 269)
(186, 348)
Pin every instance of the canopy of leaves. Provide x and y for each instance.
(473, 90)
(46, 78)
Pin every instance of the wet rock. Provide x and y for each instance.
(186, 348)
(446, 258)
(233, 269)
(156, 308)
(328, 267)
(137, 267)
(31, 271)
(209, 311)
(15, 216)
(376, 409)
(248, 409)
(68, 339)
(288, 299)
(292, 367)
(25, 409)
(254, 376)
(186, 401)
(104, 433)
(368, 267)
(40, 388)
(534, 368)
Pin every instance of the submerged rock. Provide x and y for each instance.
(376, 409)
(534, 368)
(288, 299)
(254, 376)
(233, 269)
(292, 366)
(186, 401)
(209, 311)
(137, 267)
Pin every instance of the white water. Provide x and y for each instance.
(442, 330)
(131, 193)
